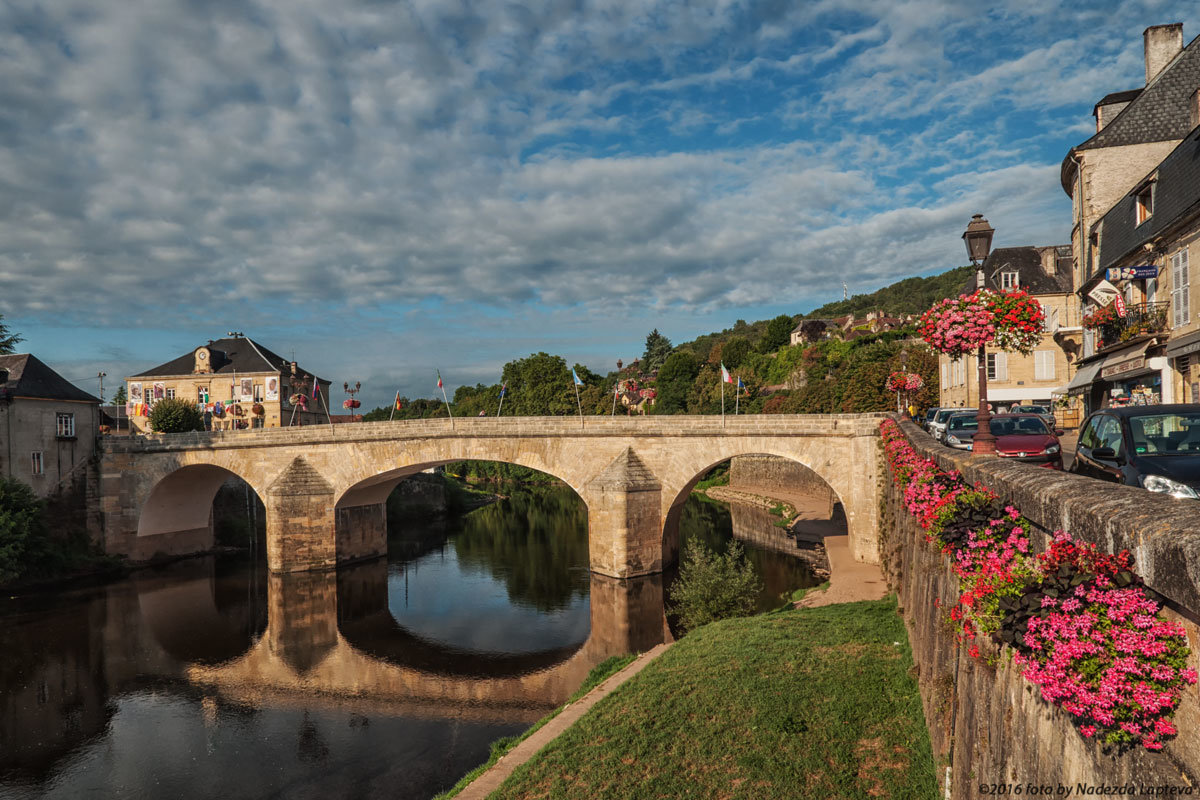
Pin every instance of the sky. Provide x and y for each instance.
(389, 189)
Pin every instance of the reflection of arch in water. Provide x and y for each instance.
(671, 523)
(361, 512)
(204, 611)
(366, 622)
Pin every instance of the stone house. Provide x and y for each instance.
(48, 426)
(229, 377)
(1045, 273)
(1135, 131)
(1148, 242)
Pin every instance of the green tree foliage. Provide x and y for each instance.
(120, 398)
(8, 341)
(421, 408)
(658, 347)
(539, 385)
(712, 586)
(734, 352)
(22, 529)
(175, 415)
(909, 296)
(675, 380)
(778, 333)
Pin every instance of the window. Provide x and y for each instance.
(1049, 319)
(1010, 280)
(997, 366)
(1094, 250)
(1108, 434)
(1180, 299)
(65, 424)
(258, 392)
(1144, 202)
(201, 394)
(1043, 365)
(36, 466)
(171, 394)
(945, 373)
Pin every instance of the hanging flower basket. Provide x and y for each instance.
(300, 400)
(235, 410)
(904, 382)
(241, 424)
(1106, 315)
(959, 325)
(351, 403)
(258, 409)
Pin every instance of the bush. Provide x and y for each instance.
(172, 415)
(22, 529)
(712, 586)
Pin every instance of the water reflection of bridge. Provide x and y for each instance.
(332, 635)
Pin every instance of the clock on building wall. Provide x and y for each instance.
(202, 357)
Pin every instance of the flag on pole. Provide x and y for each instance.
(725, 376)
(741, 385)
(398, 406)
(503, 388)
(316, 387)
(576, 377)
(439, 372)
(576, 386)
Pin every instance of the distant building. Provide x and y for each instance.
(228, 378)
(48, 426)
(1045, 273)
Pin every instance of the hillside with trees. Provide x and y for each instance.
(909, 296)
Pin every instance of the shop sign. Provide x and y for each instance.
(1103, 293)
(1140, 272)
(1187, 349)
(1123, 367)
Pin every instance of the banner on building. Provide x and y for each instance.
(1103, 293)
(160, 390)
(1138, 273)
(272, 388)
(247, 390)
(135, 391)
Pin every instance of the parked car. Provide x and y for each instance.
(937, 426)
(1155, 447)
(1045, 412)
(928, 418)
(1021, 437)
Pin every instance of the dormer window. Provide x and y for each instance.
(1143, 199)
(1010, 280)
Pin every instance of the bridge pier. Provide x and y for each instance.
(361, 532)
(301, 522)
(625, 519)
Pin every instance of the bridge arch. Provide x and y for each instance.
(179, 508)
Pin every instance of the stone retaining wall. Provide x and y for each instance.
(773, 472)
(988, 722)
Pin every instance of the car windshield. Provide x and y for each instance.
(1018, 426)
(931, 413)
(1165, 434)
(963, 424)
(1032, 409)
(942, 416)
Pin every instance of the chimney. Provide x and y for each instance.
(1049, 257)
(1163, 43)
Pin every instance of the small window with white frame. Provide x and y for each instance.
(171, 393)
(36, 465)
(65, 425)
(1010, 280)
(1143, 199)
(997, 367)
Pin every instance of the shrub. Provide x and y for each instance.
(172, 415)
(713, 586)
(22, 529)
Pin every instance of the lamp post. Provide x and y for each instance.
(346, 388)
(978, 237)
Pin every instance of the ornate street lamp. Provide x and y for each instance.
(351, 403)
(978, 237)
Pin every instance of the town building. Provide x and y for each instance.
(1135, 130)
(48, 426)
(1012, 379)
(238, 382)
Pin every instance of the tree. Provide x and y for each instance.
(658, 347)
(539, 385)
(712, 587)
(174, 415)
(779, 333)
(735, 351)
(8, 341)
(120, 398)
(675, 380)
(22, 528)
(812, 330)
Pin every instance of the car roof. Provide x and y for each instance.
(1141, 411)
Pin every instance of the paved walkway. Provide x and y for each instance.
(489, 781)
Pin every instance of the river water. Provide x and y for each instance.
(212, 678)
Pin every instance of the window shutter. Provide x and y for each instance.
(1185, 304)
(1001, 366)
(945, 364)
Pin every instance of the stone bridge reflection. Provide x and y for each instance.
(315, 619)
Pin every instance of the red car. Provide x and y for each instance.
(1024, 437)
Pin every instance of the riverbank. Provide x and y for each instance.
(808, 703)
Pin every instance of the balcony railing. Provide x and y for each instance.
(1140, 319)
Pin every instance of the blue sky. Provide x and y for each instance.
(387, 189)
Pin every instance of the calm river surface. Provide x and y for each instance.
(212, 678)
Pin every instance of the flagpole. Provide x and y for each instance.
(392, 415)
(737, 394)
(446, 401)
(614, 408)
(577, 403)
(722, 401)
(503, 389)
(328, 416)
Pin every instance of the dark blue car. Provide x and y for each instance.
(1155, 447)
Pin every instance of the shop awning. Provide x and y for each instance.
(1185, 345)
(1126, 363)
(1084, 377)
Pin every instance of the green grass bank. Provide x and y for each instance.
(811, 703)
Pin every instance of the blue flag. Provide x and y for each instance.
(503, 389)
(740, 384)
(576, 377)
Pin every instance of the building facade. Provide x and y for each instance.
(238, 383)
(48, 426)
(1014, 379)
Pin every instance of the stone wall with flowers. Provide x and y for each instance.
(988, 591)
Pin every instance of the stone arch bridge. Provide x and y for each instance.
(324, 486)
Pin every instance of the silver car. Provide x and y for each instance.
(937, 426)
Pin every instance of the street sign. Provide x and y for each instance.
(1140, 272)
(1103, 293)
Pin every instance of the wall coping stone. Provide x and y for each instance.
(1162, 532)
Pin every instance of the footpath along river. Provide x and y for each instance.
(211, 678)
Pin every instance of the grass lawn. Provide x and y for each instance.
(813, 703)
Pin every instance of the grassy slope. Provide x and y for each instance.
(815, 703)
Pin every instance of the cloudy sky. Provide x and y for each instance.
(390, 188)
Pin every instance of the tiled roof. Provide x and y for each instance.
(1117, 97)
(229, 355)
(1027, 263)
(1176, 197)
(1159, 113)
(28, 376)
